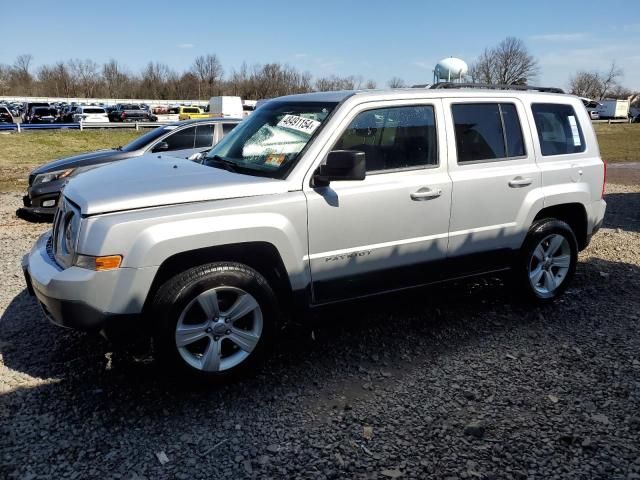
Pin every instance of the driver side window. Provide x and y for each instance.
(393, 138)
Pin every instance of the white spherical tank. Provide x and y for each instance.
(451, 68)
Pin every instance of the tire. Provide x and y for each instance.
(547, 260)
(200, 330)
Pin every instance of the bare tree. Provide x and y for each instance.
(87, 77)
(5, 79)
(508, 63)
(116, 79)
(22, 64)
(334, 83)
(597, 85)
(209, 71)
(396, 82)
(371, 84)
(609, 79)
(21, 74)
(153, 81)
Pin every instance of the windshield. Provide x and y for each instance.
(147, 138)
(269, 141)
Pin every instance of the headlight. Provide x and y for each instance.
(66, 228)
(51, 176)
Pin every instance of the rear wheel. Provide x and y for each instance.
(547, 260)
(215, 321)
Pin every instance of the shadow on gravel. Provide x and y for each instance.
(623, 211)
(337, 340)
(98, 401)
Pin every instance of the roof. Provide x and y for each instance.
(205, 120)
(451, 90)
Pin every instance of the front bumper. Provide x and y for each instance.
(82, 299)
(37, 196)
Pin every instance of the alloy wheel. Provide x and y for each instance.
(549, 264)
(219, 329)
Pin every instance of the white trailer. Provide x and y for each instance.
(614, 108)
(226, 107)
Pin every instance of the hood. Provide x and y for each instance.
(153, 180)
(91, 158)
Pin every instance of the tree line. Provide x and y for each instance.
(204, 79)
(509, 62)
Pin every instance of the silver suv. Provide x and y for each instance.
(321, 198)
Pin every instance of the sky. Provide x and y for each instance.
(375, 39)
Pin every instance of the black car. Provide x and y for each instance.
(5, 115)
(182, 139)
(41, 115)
(131, 112)
(28, 106)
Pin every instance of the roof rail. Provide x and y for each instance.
(495, 87)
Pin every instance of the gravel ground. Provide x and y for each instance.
(456, 382)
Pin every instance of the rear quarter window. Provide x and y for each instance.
(559, 130)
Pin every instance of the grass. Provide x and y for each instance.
(619, 142)
(21, 152)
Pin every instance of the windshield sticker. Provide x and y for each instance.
(574, 131)
(274, 160)
(300, 124)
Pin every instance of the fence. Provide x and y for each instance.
(20, 127)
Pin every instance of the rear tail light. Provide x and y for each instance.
(123, 115)
(604, 177)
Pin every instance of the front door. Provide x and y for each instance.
(387, 231)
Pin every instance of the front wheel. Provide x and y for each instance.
(547, 260)
(215, 321)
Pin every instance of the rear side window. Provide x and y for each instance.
(393, 138)
(204, 136)
(227, 127)
(558, 128)
(182, 139)
(487, 132)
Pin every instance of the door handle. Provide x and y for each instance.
(520, 182)
(425, 194)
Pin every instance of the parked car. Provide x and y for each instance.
(90, 115)
(67, 112)
(382, 191)
(27, 106)
(5, 115)
(188, 113)
(178, 140)
(41, 115)
(129, 112)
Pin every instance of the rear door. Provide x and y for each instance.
(205, 138)
(495, 181)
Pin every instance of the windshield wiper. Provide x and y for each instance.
(218, 161)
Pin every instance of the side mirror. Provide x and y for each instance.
(341, 165)
(161, 147)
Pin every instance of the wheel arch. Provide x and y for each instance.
(573, 214)
(261, 256)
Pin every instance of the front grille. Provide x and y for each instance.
(49, 248)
